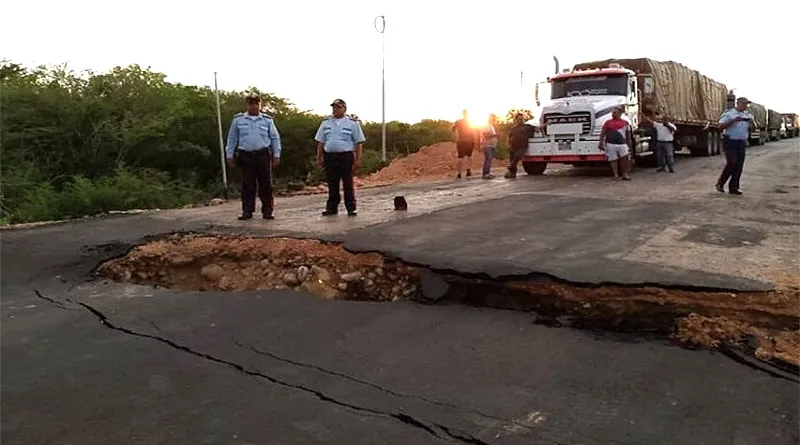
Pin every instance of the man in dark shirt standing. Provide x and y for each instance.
(466, 139)
(517, 143)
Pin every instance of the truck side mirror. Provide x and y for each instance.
(647, 84)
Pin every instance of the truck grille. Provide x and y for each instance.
(560, 118)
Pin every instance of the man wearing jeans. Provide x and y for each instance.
(665, 138)
(736, 125)
(489, 145)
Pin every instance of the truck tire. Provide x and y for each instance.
(534, 168)
(647, 161)
(705, 145)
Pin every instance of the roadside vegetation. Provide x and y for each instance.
(76, 144)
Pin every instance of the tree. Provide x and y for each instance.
(79, 143)
(527, 114)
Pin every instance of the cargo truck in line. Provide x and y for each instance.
(792, 124)
(774, 121)
(582, 100)
(758, 127)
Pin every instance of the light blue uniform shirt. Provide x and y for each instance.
(251, 133)
(739, 130)
(339, 135)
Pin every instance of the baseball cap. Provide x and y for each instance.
(339, 102)
(743, 99)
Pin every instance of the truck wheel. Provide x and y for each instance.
(534, 168)
(647, 161)
(705, 145)
(709, 144)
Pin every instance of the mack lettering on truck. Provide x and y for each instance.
(579, 117)
(589, 86)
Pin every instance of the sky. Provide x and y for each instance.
(440, 56)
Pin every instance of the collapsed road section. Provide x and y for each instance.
(766, 324)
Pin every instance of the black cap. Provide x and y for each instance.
(743, 100)
(252, 97)
(339, 102)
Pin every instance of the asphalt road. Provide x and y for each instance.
(92, 361)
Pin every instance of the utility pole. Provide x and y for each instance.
(221, 144)
(381, 30)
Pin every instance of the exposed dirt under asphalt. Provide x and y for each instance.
(765, 323)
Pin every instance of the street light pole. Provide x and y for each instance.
(383, 82)
(221, 144)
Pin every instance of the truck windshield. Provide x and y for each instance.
(589, 86)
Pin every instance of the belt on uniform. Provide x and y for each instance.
(259, 152)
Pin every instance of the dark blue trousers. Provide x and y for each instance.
(734, 150)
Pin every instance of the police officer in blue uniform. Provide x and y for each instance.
(735, 123)
(339, 146)
(254, 145)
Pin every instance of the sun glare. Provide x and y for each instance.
(478, 120)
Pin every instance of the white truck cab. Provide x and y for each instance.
(581, 102)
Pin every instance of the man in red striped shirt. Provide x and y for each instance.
(616, 140)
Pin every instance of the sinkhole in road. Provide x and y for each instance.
(766, 321)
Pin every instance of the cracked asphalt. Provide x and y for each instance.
(87, 361)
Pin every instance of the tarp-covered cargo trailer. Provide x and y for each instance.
(758, 131)
(689, 99)
(774, 124)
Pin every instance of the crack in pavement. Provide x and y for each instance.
(730, 351)
(52, 301)
(505, 422)
(436, 430)
(375, 385)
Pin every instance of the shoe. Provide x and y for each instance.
(469, 172)
(352, 213)
(720, 189)
(660, 170)
(330, 213)
(269, 216)
(672, 170)
(488, 176)
(735, 192)
(245, 216)
(458, 176)
(626, 178)
(510, 175)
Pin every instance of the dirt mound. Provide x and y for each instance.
(437, 161)
(430, 163)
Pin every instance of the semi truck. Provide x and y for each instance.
(583, 98)
(758, 128)
(774, 121)
(792, 125)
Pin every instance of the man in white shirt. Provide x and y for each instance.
(665, 140)
(489, 140)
